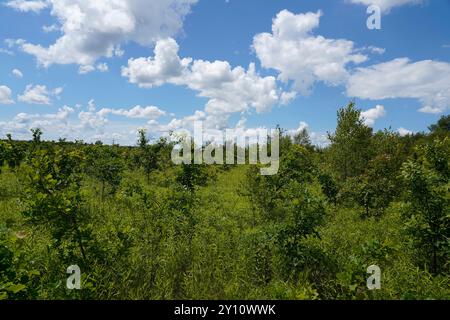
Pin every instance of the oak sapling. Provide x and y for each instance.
(54, 200)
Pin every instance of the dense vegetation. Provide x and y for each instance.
(140, 227)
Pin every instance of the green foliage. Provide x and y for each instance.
(441, 128)
(140, 227)
(350, 149)
(428, 193)
(148, 156)
(54, 200)
(291, 209)
(37, 133)
(5, 151)
(15, 154)
(304, 214)
(269, 192)
(329, 187)
(376, 188)
(192, 175)
(18, 278)
(302, 138)
(105, 164)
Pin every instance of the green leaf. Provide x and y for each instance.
(15, 288)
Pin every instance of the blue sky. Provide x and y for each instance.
(82, 70)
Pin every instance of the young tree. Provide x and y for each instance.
(427, 179)
(147, 156)
(5, 152)
(304, 214)
(105, 164)
(37, 133)
(54, 200)
(16, 154)
(329, 187)
(442, 127)
(267, 191)
(350, 148)
(192, 175)
(378, 186)
(289, 209)
(302, 138)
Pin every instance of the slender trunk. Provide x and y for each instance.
(80, 244)
(435, 271)
(79, 238)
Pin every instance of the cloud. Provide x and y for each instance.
(6, 51)
(387, 5)
(371, 115)
(87, 124)
(404, 132)
(211, 123)
(92, 125)
(302, 57)
(432, 110)
(427, 81)
(228, 89)
(164, 67)
(39, 94)
(94, 29)
(376, 50)
(17, 73)
(22, 123)
(27, 5)
(301, 126)
(50, 28)
(5, 95)
(102, 67)
(91, 120)
(86, 69)
(138, 112)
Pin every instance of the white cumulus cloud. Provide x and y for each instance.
(17, 73)
(102, 67)
(427, 81)
(138, 112)
(371, 115)
(404, 132)
(94, 29)
(165, 66)
(28, 5)
(39, 94)
(302, 57)
(5, 95)
(228, 89)
(87, 124)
